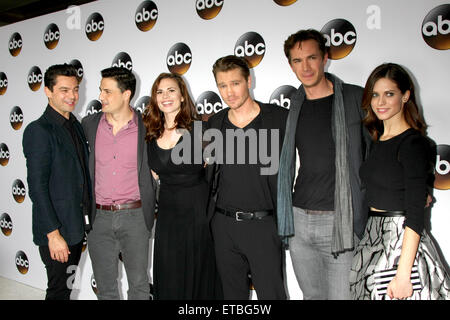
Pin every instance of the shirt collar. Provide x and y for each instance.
(57, 117)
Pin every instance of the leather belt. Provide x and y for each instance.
(244, 215)
(388, 213)
(121, 206)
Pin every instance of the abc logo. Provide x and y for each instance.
(442, 175)
(34, 78)
(208, 9)
(341, 38)
(179, 58)
(51, 36)
(6, 224)
(80, 72)
(146, 15)
(3, 83)
(15, 44)
(18, 191)
(284, 2)
(282, 96)
(208, 103)
(22, 263)
(4, 154)
(142, 104)
(16, 118)
(252, 47)
(84, 246)
(94, 284)
(122, 60)
(93, 107)
(436, 27)
(94, 26)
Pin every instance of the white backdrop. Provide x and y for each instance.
(187, 36)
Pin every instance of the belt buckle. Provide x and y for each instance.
(114, 207)
(237, 215)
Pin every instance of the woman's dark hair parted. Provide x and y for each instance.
(402, 79)
(154, 118)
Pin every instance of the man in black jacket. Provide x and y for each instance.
(56, 152)
(244, 186)
(327, 206)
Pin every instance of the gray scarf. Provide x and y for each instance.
(342, 238)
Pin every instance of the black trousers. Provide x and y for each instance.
(248, 247)
(58, 273)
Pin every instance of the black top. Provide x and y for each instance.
(241, 186)
(68, 124)
(314, 187)
(395, 176)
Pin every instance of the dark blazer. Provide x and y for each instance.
(272, 117)
(55, 179)
(147, 186)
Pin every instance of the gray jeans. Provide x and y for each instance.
(122, 232)
(320, 275)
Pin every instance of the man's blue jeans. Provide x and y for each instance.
(320, 275)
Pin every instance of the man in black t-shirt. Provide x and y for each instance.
(327, 208)
(244, 186)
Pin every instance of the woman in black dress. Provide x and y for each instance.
(396, 258)
(183, 260)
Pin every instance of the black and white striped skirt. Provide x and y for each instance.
(376, 258)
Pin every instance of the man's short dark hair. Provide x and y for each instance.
(303, 35)
(125, 78)
(53, 71)
(231, 62)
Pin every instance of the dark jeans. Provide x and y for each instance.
(250, 246)
(58, 273)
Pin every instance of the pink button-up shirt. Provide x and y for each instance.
(116, 175)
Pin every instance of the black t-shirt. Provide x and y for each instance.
(395, 176)
(314, 187)
(241, 186)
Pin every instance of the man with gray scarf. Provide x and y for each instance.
(320, 216)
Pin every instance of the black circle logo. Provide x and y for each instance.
(80, 72)
(3, 83)
(282, 96)
(208, 103)
(146, 15)
(18, 191)
(16, 118)
(94, 26)
(93, 107)
(442, 175)
(341, 38)
(284, 3)
(179, 58)
(436, 27)
(252, 47)
(22, 263)
(4, 154)
(122, 60)
(94, 285)
(15, 44)
(142, 104)
(208, 9)
(51, 36)
(34, 78)
(6, 224)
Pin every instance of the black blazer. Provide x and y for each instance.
(147, 185)
(272, 117)
(55, 179)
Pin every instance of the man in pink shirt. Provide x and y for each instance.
(123, 189)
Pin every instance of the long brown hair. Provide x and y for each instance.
(154, 118)
(411, 114)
